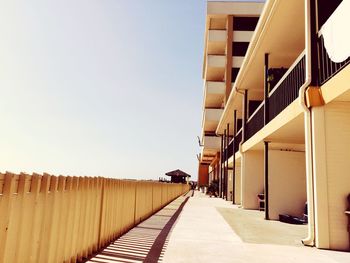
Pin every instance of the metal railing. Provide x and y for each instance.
(229, 150)
(287, 89)
(255, 122)
(327, 68)
(238, 139)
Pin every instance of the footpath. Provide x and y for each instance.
(204, 233)
(196, 228)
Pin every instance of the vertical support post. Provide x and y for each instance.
(227, 157)
(266, 179)
(266, 89)
(229, 52)
(245, 115)
(313, 44)
(221, 161)
(234, 156)
(348, 214)
(224, 165)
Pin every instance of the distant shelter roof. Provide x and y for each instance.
(177, 173)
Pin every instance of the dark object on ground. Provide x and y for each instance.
(213, 189)
(261, 200)
(293, 219)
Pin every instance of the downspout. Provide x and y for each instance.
(310, 239)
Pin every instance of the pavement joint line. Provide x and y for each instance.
(157, 247)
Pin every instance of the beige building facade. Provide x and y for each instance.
(228, 31)
(284, 126)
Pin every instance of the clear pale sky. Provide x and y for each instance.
(100, 87)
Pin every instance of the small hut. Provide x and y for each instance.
(178, 176)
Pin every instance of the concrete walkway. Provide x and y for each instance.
(147, 241)
(203, 233)
(202, 229)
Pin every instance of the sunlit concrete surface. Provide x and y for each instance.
(202, 234)
(147, 241)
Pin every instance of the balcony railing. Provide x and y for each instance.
(255, 122)
(327, 68)
(228, 152)
(287, 89)
(238, 139)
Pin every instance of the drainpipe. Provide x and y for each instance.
(310, 239)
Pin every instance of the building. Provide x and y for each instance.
(228, 30)
(178, 176)
(285, 125)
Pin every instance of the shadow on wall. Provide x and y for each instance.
(146, 242)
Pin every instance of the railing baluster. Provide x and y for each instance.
(327, 67)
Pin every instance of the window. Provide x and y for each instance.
(245, 23)
(234, 73)
(239, 48)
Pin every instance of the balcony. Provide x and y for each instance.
(216, 44)
(237, 61)
(211, 142)
(287, 89)
(327, 67)
(216, 61)
(280, 97)
(212, 115)
(217, 36)
(214, 93)
(256, 122)
(215, 67)
(233, 145)
(211, 119)
(332, 44)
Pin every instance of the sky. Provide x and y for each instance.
(107, 88)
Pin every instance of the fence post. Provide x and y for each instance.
(100, 241)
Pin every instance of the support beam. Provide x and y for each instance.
(228, 74)
(313, 44)
(221, 161)
(224, 168)
(227, 144)
(245, 115)
(266, 179)
(266, 89)
(234, 157)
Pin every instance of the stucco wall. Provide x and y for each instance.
(287, 183)
(203, 175)
(252, 178)
(229, 185)
(238, 184)
(332, 174)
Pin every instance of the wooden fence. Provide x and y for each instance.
(44, 218)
